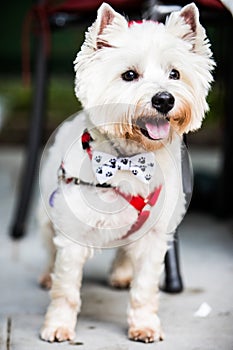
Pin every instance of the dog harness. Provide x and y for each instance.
(142, 205)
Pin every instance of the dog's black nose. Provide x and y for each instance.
(163, 101)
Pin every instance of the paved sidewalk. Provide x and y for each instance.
(206, 250)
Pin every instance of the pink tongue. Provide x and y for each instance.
(158, 130)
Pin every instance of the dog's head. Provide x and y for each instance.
(144, 80)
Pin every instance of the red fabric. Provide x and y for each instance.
(130, 23)
(153, 197)
(82, 6)
(142, 217)
(140, 203)
(137, 202)
(211, 3)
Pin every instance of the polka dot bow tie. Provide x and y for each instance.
(105, 166)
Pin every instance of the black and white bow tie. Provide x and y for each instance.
(105, 166)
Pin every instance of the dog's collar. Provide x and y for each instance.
(142, 205)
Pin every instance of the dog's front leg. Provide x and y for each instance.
(147, 256)
(61, 316)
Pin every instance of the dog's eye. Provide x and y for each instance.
(130, 75)
(174, 74)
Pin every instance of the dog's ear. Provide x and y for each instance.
(108, 22)
(108, 25)
(185, 24)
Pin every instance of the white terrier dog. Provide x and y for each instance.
(142, 85)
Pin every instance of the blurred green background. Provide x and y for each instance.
(16, 98)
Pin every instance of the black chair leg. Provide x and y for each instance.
(34, 142)
(225, 190)
(173, 281)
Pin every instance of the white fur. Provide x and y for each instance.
(111, 105)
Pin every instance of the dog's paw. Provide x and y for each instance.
(59, 334)
(146, 335)
(121, 282)
(45, 281)
(121, 277)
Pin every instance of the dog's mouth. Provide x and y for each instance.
(154, 128)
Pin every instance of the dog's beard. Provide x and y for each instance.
(146, 127)
(149, 134)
